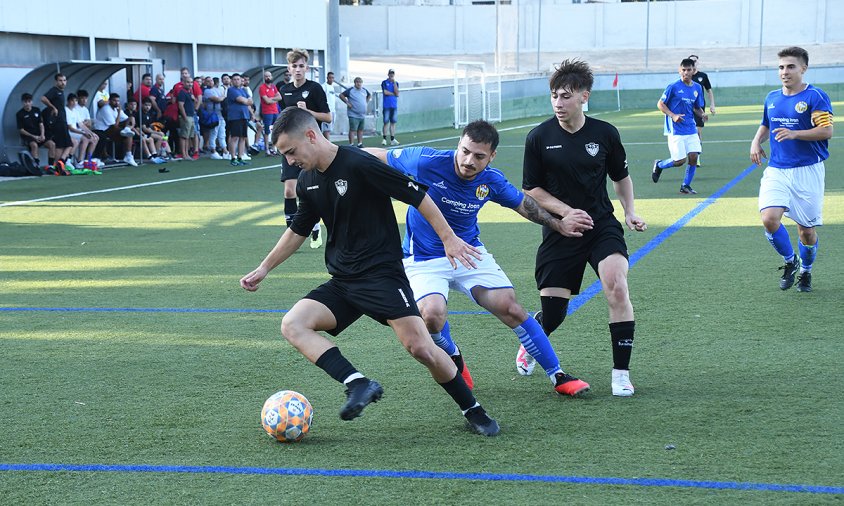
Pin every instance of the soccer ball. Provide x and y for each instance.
(287, 416)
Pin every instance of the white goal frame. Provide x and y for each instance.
(476, 94)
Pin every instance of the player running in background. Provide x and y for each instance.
(460, 183)
(566, 163)
(308, 95)
(798, 120)
(681, 101)
(350, 191)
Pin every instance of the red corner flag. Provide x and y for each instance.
(615, 81)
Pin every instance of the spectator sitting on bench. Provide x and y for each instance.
(31, 128)
(110, 125)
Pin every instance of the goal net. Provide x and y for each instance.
(476, 94)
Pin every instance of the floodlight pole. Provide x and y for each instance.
(539, 35)
(647, 32)
(761, 28)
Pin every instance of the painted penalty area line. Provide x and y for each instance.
(427, 475)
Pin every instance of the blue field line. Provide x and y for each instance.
(427, 475)
(576, 303)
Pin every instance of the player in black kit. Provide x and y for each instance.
(310, 96)
(703, 79)
(566, 163)
(350, 191)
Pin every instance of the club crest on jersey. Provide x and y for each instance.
(592, 148)
(482, 191)
(397, 153)
(342, 185)
(305, 94)
(695, 93)
(801, 107)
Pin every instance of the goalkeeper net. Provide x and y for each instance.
(476, 94)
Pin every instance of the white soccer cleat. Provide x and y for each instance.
(524, 362)
(394, 142)
(621, 386)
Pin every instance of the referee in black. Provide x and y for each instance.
(702, 79)
(350, 191)
(566, 164)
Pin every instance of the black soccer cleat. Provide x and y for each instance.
(687, 190)
(359, 394)
(789, 271)
(481, 423)
(804, 282)
(656, 172)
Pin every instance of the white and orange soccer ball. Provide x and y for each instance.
(287, 416)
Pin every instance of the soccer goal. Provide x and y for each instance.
(476, 94)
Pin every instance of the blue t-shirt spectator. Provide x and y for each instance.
(236, 110)
(186, 98)
(390, 101)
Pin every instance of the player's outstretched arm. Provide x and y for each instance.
(286, 246)
(559, 208)
(456, 249)
(624, 190)
(530, 209)
(757, 154)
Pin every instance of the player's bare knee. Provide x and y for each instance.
(292, 328)
(615, 289)
(434, 318)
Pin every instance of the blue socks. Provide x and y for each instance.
(690, 174)
(665, 164)
(781, 242)
(536, 343)
(807, 255)
(444, 341)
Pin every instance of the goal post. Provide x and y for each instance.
(476, 95)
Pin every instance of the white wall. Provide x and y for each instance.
(288, 23)
(471, 29)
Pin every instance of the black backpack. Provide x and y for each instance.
(14, 169)
(28, 163)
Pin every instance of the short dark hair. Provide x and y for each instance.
(131, 100)
(71, 96)
(293, 120)
(482, 132)
(82, 93)
(145, 76)
(113, 95)
(693, 57)
(235, 75)
(59, 75)
(147, 100)
(26, 96)
(687, 62)
(797, 52)
(224, 75)
(329, 74)
(574, 75)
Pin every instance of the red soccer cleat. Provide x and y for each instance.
(569, 385)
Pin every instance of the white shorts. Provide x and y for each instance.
(798, 190)
(681, 145)
(436, 276)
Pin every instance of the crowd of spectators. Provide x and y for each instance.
(199, 116)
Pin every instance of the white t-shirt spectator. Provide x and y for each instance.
(330, 95)
(72, 117)
(99, 95)
(107, 116)
(82, 113)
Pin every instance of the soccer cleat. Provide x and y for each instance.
(524, 362)
(481, 423)
(234, 162)
(621, 386)
(656, 172)
(394, 142)
(384, 141)
(569, 385)
(60, 169)
(804, 282)
(316, 238)
(463, 370)
(789, 271)
(687, 190)
(359, 394)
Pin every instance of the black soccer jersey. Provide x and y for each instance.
(310, 92)
(574, 167)
(29, 120)
(56, 97)
(702, 79)
(352, 197)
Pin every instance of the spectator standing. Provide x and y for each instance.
(330, 88)
(356, 99)
(390, 88)
(212, 100)
(187, 110)
(270, 97)
(238, 115)
(54, 99)
(159, 99)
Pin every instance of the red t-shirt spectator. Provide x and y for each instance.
(268, 90)
(197, 91)
(142, 94)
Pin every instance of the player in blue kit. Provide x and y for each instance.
(460, 183)
(681, 101)
(798, 120)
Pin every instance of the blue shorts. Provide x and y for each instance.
(390, 114)
(269, 119)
